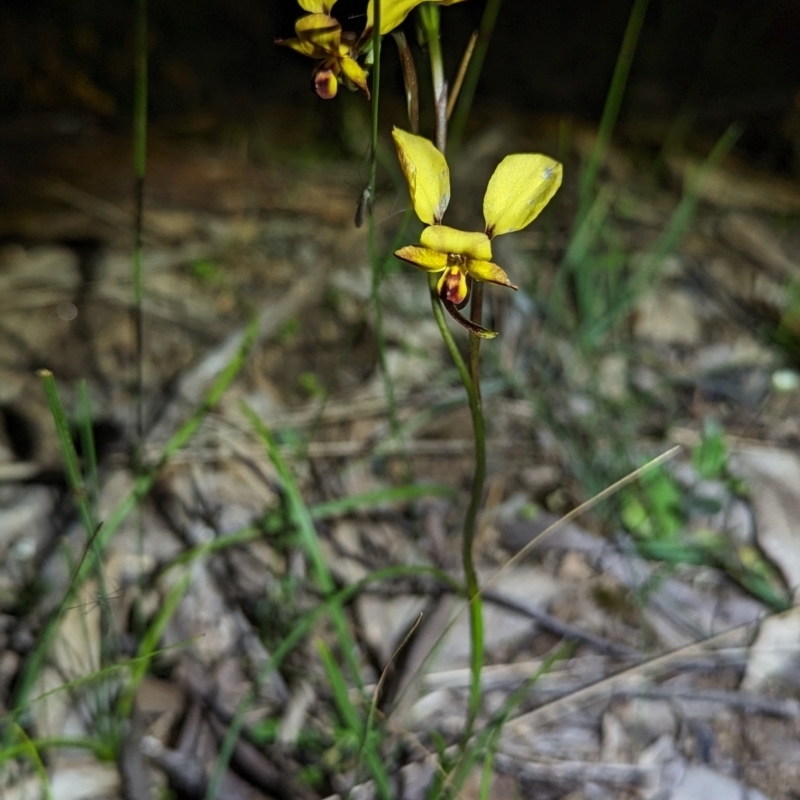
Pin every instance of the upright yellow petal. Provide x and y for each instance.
(522, 185)
(393, 12)
(444, 239)
(316, 6)
(426, 174)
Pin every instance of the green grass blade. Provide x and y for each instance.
(301, 517)
(352, 719)
(72, 465)
(464, 103)
(149, 644)
(300, 630)
(139, 168)
(31, 750)
(371, 500)
(103, 535)
(612, 105)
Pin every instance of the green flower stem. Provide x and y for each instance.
(429, 17)
(470, 522)
(376, 259)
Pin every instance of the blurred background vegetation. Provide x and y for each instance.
(705, 62)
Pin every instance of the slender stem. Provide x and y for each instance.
(470, 377)
(429, 17)
(376, 259)
(139, 162)
(409, 79)
(476, 316)
(485, 30)
(612, 106)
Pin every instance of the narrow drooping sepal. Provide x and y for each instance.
(483, 333)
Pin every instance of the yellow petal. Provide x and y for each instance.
(522, 185)
(488, 272)
(452, 287)
(316, 6)
(422, 258)
(302, 46)
(393, 12)
(321, 30)
(451, 240)
(354, 73)
(426, 174)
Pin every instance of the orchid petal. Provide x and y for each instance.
(325, 83)
(444, 239)
(354, 73)
(488, 272)
(394, 12)
(321, 30)
(426, 174)
(423, 258)
(521, 186)
(452, 287)
(472, 327)
(303, 47)
(316, 6)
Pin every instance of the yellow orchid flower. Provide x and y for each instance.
(316, 6)
(519, 189)
(393, 12)
(320, 36)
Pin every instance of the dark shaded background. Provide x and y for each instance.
(718, 60)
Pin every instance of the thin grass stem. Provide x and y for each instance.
(139, 169)
(467, 94)
(611, 109)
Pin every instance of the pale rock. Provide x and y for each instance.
(702, 783)
(774, 653)
(668, 316)
(773, 476)
(614, 377)
(646, 720)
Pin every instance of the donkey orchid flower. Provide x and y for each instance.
(320, 36)
(393, 12)
(519, 189)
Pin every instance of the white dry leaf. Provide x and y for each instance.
(775, 652)
(773, 477)
(71, 779)
(702, 783)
